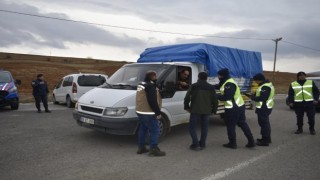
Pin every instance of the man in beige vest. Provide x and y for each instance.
(148, 105)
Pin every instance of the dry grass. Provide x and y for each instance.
(26, 67)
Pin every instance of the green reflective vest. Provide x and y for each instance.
(270, 101)
(302, 93)
(237, 96)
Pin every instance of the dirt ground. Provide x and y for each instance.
(26, 67)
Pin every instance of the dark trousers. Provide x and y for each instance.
(148, 124)
(236, 116)
(44, 99)
(264, 123)
(309, 108)
(204, 120)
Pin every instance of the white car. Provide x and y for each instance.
(71, 87)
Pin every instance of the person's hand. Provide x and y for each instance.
(291, 104)
(183, 83)
(158, 117)
(315, 102)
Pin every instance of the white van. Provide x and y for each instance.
(111, 107)
(71, 87)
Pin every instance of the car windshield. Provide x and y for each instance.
(91, 80)
(129, 76)
(5, 77)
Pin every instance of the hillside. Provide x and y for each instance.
(26, 67)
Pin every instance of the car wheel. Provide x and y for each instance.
(54, 99)
(70, 104)
(15, 106)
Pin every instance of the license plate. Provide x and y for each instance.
(87, 120)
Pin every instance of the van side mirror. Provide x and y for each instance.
(168, 90)
(18, 82)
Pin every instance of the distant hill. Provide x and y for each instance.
(26, 67)
(317, 73)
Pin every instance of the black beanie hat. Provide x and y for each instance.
(259, 77)
(39, 75)
(301, 73)
(223, 72)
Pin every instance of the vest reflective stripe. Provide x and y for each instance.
(237, 95)
(270, 101)
(302, 93)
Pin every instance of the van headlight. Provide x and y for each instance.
(76, 106)
(120, 111)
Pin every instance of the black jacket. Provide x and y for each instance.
(202, 96)
(40, 88)
(151, 93)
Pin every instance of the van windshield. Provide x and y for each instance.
(4, 77)
(129, 76)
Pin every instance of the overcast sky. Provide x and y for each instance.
(257, 21)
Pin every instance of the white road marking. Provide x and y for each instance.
(241, 165)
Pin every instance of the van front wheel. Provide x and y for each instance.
(163, 126)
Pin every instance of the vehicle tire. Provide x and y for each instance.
(54, 99)
(70, 104)
(15, 106)
(223, 117)
(163, 126)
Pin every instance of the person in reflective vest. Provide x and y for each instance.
(264, 98)
(234, 109)
(303, 95)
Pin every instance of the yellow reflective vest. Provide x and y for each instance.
(237, 96)
(270, 101)
(304, 92)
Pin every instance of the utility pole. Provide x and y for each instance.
(275, 57)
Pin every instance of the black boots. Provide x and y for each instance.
(299, 131)
(142, 150)
(232, 144)
(156, 152)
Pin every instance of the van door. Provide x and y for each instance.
(58, 90)
(173, 96)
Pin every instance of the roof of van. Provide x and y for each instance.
(241, 63)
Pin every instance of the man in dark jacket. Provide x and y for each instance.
(234, 109)
(148, 105)
(202, 96)
(303, 95)
(264, 98)
(40, 92)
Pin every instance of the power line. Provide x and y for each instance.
(301, 46)
(150, 30)
(130, 28)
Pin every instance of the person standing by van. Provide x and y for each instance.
(200, 101)
(234, 109)
(148, 105)
(264, 99)
(40, 92)
(303, 95)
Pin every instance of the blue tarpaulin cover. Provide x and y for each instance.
(241, 63)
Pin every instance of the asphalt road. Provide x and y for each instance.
(53, 146)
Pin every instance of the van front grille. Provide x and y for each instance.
(92, 109)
